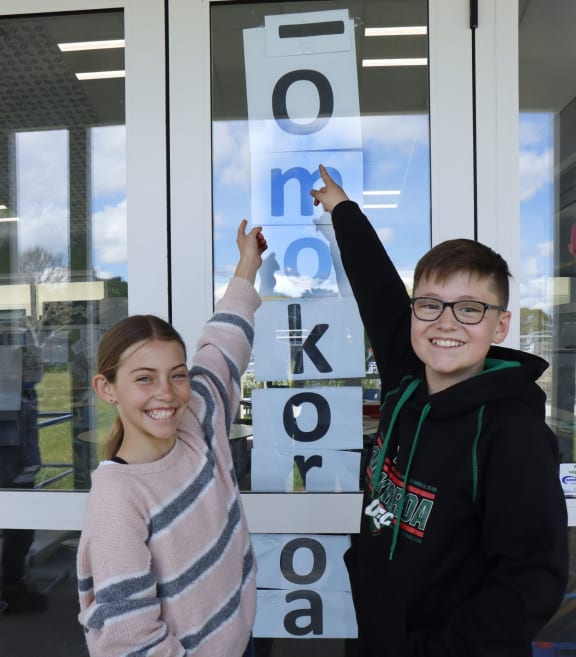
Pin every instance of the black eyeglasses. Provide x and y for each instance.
(429, 309)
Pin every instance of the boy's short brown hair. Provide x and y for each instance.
(463, 255)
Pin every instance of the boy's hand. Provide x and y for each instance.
(251, 246)
(330, 194)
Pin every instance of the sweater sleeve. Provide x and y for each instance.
(119, 606)
(379, 291)
(222, 355)
(524, 539)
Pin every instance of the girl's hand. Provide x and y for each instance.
(251, 246)
(252, 243)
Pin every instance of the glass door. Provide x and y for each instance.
(547, 125)
(72, 262)
(526, 151)
(360, 88)
(547, 209)
(124, 237)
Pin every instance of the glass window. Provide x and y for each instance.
(547, 94)
(295, 84)
(63, 278)
(548, 205)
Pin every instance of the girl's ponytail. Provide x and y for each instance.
(114, 439)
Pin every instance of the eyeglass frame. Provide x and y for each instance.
(451, 304)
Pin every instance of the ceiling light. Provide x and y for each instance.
(92, 45)
(3, 207)
(410, 61)
(415, 30)
(101, 75)
(377, 206)
(384, 192)
(4, 219)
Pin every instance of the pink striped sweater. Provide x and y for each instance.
(165, 565)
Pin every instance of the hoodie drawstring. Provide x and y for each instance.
(377, 472)
(378, 468)
(405, 480)
(475, 453)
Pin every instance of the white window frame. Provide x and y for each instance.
(497, 128)
(451, 120)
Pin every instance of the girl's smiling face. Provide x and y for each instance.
(451, 351)
(151, 391)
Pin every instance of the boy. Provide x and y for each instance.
(463, 545)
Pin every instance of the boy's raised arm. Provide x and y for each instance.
(381, 296)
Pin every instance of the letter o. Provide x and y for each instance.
(318, 564)
(322, 409)
(325, 95)
(322, 251)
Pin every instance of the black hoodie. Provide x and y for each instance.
(478, 562)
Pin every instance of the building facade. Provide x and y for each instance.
(135, 137)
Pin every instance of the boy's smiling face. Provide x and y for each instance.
(451, 351)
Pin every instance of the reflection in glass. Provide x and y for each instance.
(47, 597)
(63, 278)
(548, 240)
(548, 204)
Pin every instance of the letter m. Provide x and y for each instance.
(278, 180)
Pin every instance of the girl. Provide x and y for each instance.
(165, 565)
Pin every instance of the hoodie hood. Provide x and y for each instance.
(508, 374)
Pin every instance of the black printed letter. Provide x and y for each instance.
(325, 96)
(287, 560)
(314, 613)
(298, 346)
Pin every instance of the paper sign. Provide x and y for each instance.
(290, 470)
(313, 33)
(307, 266)
(292, 561)
(305, 614)
(325, 417)
(568, 478)
(305, 339)
(309, 77)
(281, 184)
